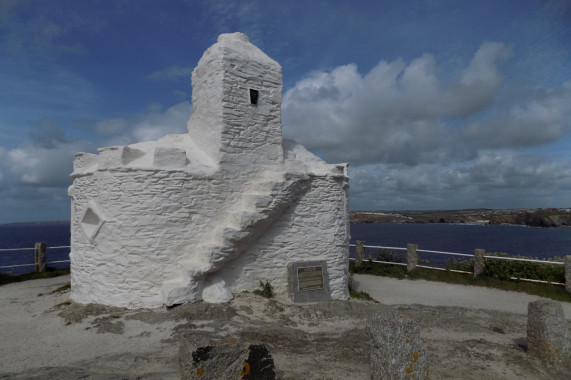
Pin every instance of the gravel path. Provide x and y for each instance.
(392, 291)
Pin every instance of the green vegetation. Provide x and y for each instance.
(496, 276)
(63, 288)
(49, 273)
(266, 290)
(361, 295)
(506, 269)
(529, 217)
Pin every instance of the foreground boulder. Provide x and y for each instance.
(397, 352)
(226, 360)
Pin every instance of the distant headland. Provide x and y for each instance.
(539, 217)
(34, 223)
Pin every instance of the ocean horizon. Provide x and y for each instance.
(542, 243)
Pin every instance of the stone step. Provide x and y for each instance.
(256, 201)
(243, 218)
(177, 291)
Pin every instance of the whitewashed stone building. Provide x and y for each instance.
(214, 211)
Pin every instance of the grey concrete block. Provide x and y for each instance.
(479, 261)
(308, 281)
(568, 273)
(397, 351)
(546, 331)
(359, 253)
(411, 257)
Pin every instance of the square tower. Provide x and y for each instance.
(237, 94)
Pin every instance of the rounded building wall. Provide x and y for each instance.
(201, 215)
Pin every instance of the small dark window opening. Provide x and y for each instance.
(253, 96)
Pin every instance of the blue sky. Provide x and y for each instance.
(434, 104)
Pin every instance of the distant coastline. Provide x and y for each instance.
(36, 223)
(552, 217)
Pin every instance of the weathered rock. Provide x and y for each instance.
(226, 360)
(546, 331)
(397, 352)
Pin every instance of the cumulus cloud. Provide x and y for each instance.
(172, 73)
(395, 113)
(150, 125)
(45, 167)
(407, 132)
(493, 179)
(544, 119)
(43, 161)
(37, 171)
(47, 134)
(35, 175)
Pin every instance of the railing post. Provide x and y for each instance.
(568, 273)
(479, 261)
(359, 253)
(411, 257)
(40, 256)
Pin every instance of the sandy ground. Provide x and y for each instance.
(32, 335)
(470, 333)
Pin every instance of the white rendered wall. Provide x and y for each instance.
(203, 215)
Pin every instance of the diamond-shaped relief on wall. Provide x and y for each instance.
(92, 221)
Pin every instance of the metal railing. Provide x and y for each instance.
(35, 263)
(462, 255)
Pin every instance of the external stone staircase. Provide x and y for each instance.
(260, 205)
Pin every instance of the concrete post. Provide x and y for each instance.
(411, 257)
(479, 261)
(40, 256)
(359, 253)
(568, 273)
(546, 331)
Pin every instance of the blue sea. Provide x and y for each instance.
(534, 242)
(514, 240)
(24, 235)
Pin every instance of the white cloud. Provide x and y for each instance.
(493, 179)
(413, 139)
(171, 73)
(35, 175)
(41, 166)
(110, 127)
(395, 113)
(147, 126)
(37, 171)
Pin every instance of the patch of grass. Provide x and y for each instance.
(555, 292)
(63, 288)
(49, 273)
(361, 295)
(266, 290)
(368, 267)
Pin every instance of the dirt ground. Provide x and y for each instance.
(46, 336)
